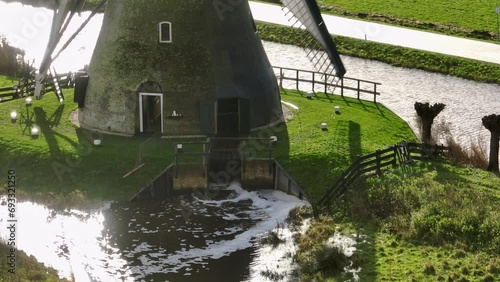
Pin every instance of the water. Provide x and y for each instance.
(184, 239)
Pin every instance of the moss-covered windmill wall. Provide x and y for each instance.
(214, 54)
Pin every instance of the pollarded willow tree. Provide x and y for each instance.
(492, 123)
(427, 114)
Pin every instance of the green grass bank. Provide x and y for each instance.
(431, 222)
(473, 14)
(472, 19)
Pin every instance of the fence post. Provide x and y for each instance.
(297, 81)
(281, 78)
(313, 89)
(342, 87)
(204, 156)
(378, 162)
(326, 83)
(359, 82)
(375, 93)
(176, 164)
(276, 175)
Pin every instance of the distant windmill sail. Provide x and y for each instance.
(306, 13)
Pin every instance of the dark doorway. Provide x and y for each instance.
(151, 113)
(233, 117)
(150, 110)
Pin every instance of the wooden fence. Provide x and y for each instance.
(324, 81)
(24, 90)
(396, 155)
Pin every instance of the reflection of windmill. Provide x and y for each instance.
(193, 67)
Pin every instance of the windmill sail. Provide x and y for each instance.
(63, 14)
(323, 52)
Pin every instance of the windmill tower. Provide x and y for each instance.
(193, 67)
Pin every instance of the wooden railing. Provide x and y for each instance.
(23, 90)
(284, 182)
(159, 188)
(396, 155)
(346, 84)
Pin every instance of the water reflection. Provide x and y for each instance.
(71, 242)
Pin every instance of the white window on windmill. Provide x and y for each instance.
(165, 32)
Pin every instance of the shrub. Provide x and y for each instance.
(429, 268)
(331, 259)
(425, 210)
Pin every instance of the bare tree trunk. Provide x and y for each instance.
(494, 150)
(492, 123)
(426, 128)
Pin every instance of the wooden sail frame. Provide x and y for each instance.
(60, 22)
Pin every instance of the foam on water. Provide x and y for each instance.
(269, 205)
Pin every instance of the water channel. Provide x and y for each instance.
(191, 238)
(188, 238)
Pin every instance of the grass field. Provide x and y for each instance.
(474, 14)
(6, 81)
(63, 159)
(361, 128)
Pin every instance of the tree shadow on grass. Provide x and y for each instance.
(47, 125)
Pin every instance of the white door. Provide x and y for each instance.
(142, 95)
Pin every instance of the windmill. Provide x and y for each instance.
(192, 67)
